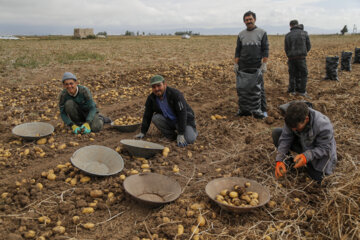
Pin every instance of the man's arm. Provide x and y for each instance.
(238, 50)
(148, 113)
(308, 44)
(285, 141)
(265, 48)
(322, 145)
(181, 111)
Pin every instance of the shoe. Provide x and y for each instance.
(292, 93)
(240, 113)
(305, 95)
(106, 120)
(265, 114)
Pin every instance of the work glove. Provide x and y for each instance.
(140, 135)
(280, 169)
(263, 67)
(300, 161)
(76, 129)
(236, 68)
(86, 128)
(181, 142)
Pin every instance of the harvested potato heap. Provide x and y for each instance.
(238, 196)
(127, 120)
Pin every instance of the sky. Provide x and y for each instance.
(43, 17)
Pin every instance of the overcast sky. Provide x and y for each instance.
(113, 16)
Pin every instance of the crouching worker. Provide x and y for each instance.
(170, 113)
(310, 134)
(77, 107)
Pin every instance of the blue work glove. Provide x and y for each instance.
(181, 142)
(263, 67)
(86, 128)
(76, 129)
(236, 68)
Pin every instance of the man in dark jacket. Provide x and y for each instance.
(77, 107)
(168, 110)
(297, 45)
(310, 134)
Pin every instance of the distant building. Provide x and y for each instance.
(185, 36)
(9, 37)
(83, 32)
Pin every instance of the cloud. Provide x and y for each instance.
(164, 14)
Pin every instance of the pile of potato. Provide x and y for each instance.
(238, 196)
(127, 120)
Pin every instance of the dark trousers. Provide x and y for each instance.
(76, 115)
(296, 147)
(243, 66)
(298, 75)
(169, 129)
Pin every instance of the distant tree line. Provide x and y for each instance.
(186, 32)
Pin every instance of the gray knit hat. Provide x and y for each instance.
(156, 79)
(68, 75)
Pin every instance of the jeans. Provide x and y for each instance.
(169, 129)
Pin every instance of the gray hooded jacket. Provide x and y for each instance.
(317, 141)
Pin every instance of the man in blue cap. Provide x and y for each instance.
(77, 107)
(168, 110)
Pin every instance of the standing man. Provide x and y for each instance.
(252, 51)
(168, 110)
(310, 134)
(77, 107)
(297, 45)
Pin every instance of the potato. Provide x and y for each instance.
(197, 206)
(51, 176)
(26, 151)
(246, 198)
(122, 177)
(62, 146)
(297, 200)
(85, 179)
(111, 195)
(41, 141)
(73, 182)
(176, 169)
(143, 166)
(39, 186)
(180, 230)
(59, 229)
(96, 193)
(93, 204)
(4, 195)
(194, 230)
(201, 220)
(76, 219)
(271, 204)
(219, 198)
(224, 192)
(30, 234)
(88, 210)
(88, 225)
(233, 194)
(166, 151)
(44, 219)
(190, 213)
(133, 172)
(247, 184)
(166, 220)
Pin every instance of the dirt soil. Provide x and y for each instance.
(233, 146)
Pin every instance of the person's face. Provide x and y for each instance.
(70, 85)
(249, 22)
(158, 89)
(301, 125)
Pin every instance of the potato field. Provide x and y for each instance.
(42, 196)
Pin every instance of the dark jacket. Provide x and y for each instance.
(297, 43)
(83, 99)
(251, 47)
(317, 141)
(183, 112)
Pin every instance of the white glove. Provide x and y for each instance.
(263, 67)
(181, 142)
(140, 135)
(236, 68)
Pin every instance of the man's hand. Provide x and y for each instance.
(263, 67)
(300, 161)
(236, 68)
(76, 129)
(181, 142)
(280, 169)
(140, 135)
(86, 128)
